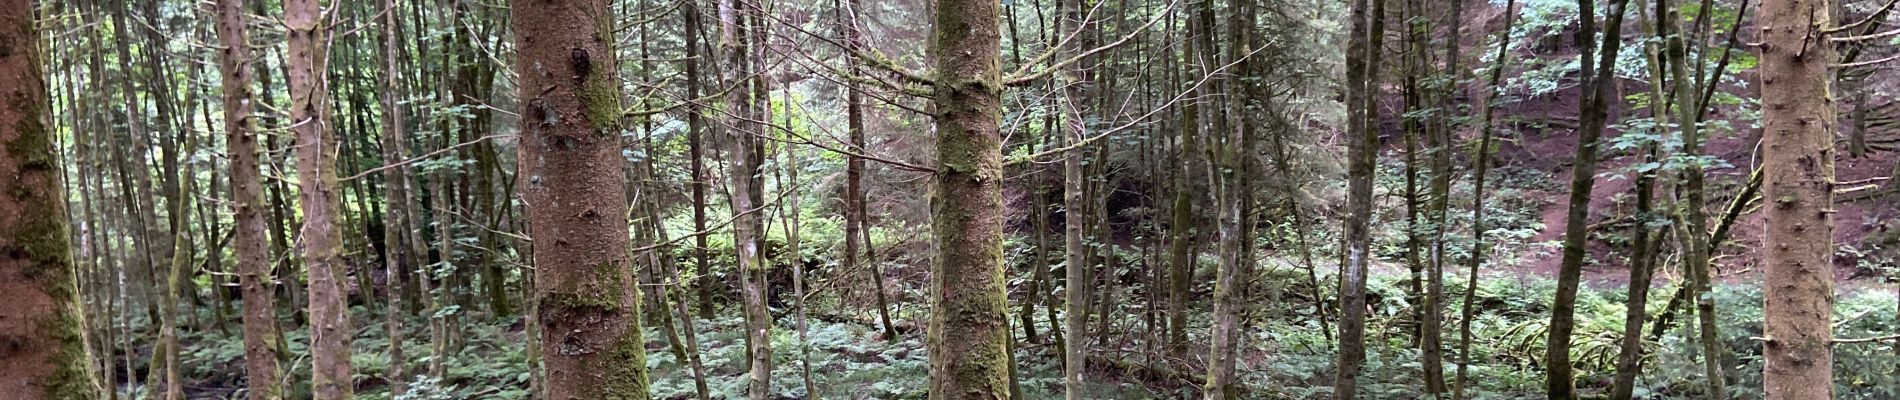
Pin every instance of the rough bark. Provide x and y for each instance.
(308, 48)
(1798, 124)
(968, 331)
(587, 307)
(47, 356)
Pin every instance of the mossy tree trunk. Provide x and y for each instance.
(588, 305)
(47, 356)
(1798, 123)
(968, 332)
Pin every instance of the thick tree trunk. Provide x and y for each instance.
(47, 356)
(588, 308)
(1598, 84)
(968, 334)
(309, 36)
(1798, 123)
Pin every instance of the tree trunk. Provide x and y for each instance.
(1629, 359)
(309, 37)
(1432, 338)
(253, 265)
(968, 334)
(1798, 122)
(1362, 155)
(1695, 245)
(747, 155)
(47, 356)
(1076, 269)
(1480, 166)
(1598, 82)
(588, 305)
(857, 230)
(398, 254)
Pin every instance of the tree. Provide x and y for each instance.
(308, 48)
(968, 333)
(1798, 124)
(569, 160)
(1362, 152)
(1598, 85)
(47, 355)
(1077, 262)
(398, 252)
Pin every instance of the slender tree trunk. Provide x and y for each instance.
(398, 253)
(1798, 122)
(857, 229)
(1074, 204)
(253, 265)
(1480, 166)
(589, 307)
(1598, 85)
(968, 334)
(1432, 339)
(1362, 155)
(1695, 245)
(47, 356)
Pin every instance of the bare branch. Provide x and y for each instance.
(1022, 76)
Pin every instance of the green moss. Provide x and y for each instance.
(600, 102)
(629, 360)
(33, 148)
(597, 287)
(71, 379)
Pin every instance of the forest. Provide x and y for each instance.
(949, 199)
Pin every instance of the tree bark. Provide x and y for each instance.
(1362, 155)
(1480, 166)
(1598, 85)
(1076, 221)
(588, 308)
(968, 333)
(47, 356)
(247, 204)
(308, 47)
(397, 223)
(1798, 124)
